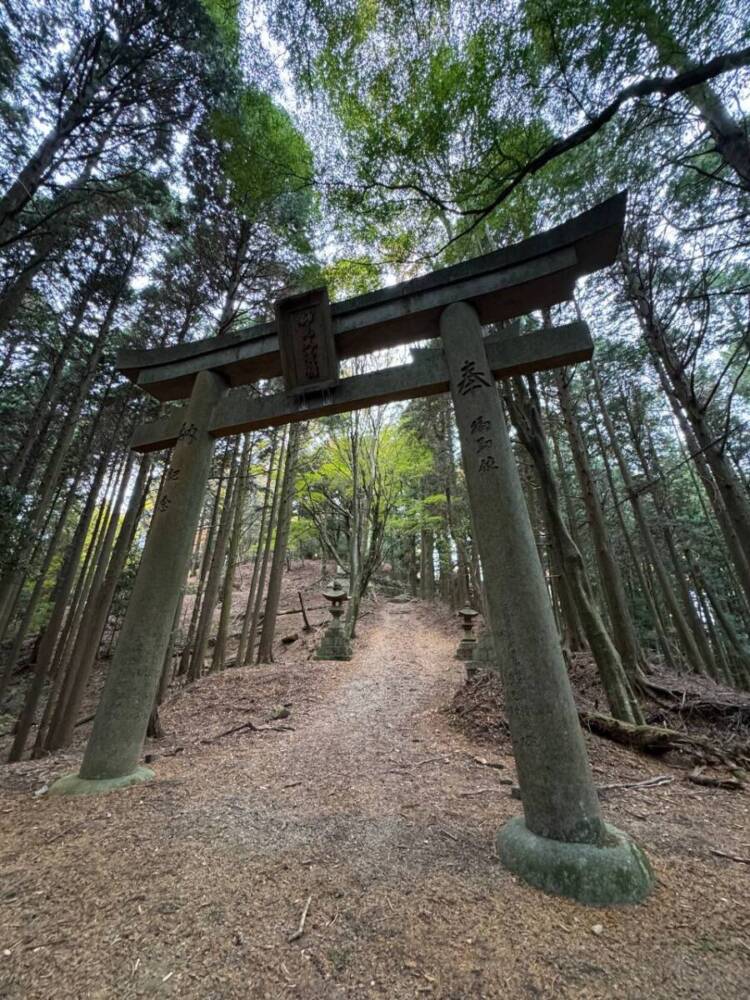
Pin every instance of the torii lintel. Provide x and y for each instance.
(533, 274)
(507, 354)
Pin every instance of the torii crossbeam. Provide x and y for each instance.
(562, 844)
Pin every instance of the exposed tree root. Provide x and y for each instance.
(718, 703)
(657, 740)
(731, 784)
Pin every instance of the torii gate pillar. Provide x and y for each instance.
(114, 747)
(562, 845)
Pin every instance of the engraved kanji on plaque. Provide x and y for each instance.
(306, 345)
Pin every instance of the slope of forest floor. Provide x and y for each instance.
(370, 807)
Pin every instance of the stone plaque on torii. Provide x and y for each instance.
(561, 844)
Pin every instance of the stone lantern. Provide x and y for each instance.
(335, 645)
(468, 643)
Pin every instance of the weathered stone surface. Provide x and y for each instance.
(308, 354)
(425, 376)
(334, 647)
(468, 642)
(466, 649)
(613, 872)
(483, 657)
(116, 740)
(335, 644)
(72, 784)
(559, 796)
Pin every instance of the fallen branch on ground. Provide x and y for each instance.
(420, 763)
(252, 727)
(731, 857)
(431, 760)
(288, 611)
(690, 702)
(228, 732)
(661, 779)
(487, 763)
(166, 753)
(307, 626)
(483, 791)
(301, 929)
(733, 784)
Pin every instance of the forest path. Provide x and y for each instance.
(372, 807)
(376, 744)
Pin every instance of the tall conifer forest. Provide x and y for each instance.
(316, 826)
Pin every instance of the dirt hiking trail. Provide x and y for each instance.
(368, 803)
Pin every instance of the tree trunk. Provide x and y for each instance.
(427, 565)
(213, 580)
(67, 575)
(265, 645)
(242, 648)
(687, 641)
(234, 543)
(524, 407)
(272, 521)
(623, 629)
(739, 561)
(740, 657)
(730, 487)
(67, 432)
(20, 471)
(187, 649)
(53, 237)
(653, 473)
(38, 166)
(35, 595)
(730, 138)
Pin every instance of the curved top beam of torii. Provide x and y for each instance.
(536, 273)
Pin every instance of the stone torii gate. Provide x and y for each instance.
(561, 844)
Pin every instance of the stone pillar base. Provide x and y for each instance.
(71, 784)
(617, 872)
(466, 649)
(334, 647)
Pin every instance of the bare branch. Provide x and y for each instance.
(664, 85)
